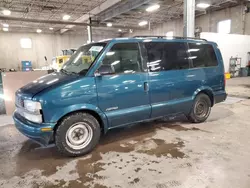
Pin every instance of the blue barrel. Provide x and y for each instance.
(25, 69)
(26, 64)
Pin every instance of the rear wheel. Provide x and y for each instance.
(201, 109)
(77, 134)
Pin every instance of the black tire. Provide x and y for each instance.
(62, 143)
(201, 109)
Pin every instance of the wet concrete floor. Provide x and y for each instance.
(161, 154)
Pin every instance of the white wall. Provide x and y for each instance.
(176, 26)
(49, 45)
(209, 21)
(231, 45)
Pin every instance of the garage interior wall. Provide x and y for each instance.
(208, 22)
(240, 47)
(49, 45)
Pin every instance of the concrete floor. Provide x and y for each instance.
(239, 87)
(160, 154)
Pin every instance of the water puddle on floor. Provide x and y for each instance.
(45, 167)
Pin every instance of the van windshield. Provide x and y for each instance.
(83, 58)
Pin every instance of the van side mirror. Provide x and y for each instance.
(105, 70)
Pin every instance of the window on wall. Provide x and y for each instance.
(170, 34)
(224, 26)
(124, 58)
(167, 56)
(26, 43)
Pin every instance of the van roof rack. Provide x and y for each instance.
(162, 37)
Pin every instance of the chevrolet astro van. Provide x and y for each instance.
(117, 82)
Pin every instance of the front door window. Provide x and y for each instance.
(124, 58)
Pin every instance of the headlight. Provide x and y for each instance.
(33, 117)
(32, 111)
(32, 106)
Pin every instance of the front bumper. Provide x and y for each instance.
(33, 130)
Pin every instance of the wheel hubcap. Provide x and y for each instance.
(201, 108)
(79, 135)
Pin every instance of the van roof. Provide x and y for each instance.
(156, 38)
(171, 37)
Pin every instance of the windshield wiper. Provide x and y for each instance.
(84, 71)
(66, 72)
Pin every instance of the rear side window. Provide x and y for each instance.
(124, 58)
(202, 55)
(164, 56)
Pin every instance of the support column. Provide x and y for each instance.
(189, 18)
(89, 28)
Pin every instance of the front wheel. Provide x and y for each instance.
(201, 109)
(77, 134)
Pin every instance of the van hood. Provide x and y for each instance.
(44, 82)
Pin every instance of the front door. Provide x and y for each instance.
(123, 96)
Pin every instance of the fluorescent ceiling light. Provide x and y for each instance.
(5, 29)
(203, 5)
(38, 30)
(5, 25)
(110, 53)
(51, 28)
(193, 50)
(52, 81)
(66, 17)
(6, 12)
(115, 62)
(153, 8)
(192, 57)
(142, 23)
(109, 24)
(119, 30)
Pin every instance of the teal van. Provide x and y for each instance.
(117, 82)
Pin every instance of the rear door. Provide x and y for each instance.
(167, 63)
(123, 96)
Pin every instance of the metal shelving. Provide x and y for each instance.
(234, 66)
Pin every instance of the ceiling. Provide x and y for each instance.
(46, 10)
(124, 14)
(168, 10)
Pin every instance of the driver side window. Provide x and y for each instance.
(124, 58)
